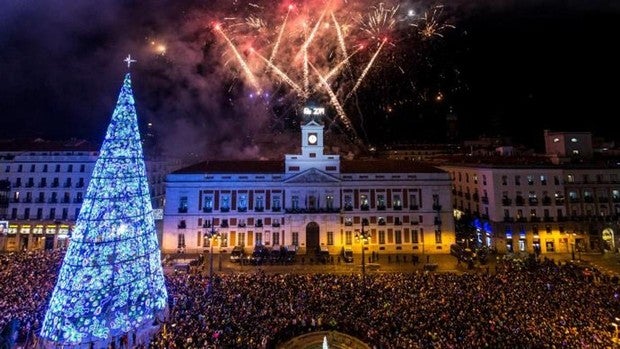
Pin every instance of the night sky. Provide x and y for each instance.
(507, 68)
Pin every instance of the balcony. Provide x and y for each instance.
(78, 201)
(414, 207)
(259, 209)
(519, 201)
(509, 219)
(207, 209)
(485, 200)
(27, 200)
(29, 185)
(258, 224)
(398, 222)
(476, 197)
(224, 223)
(533, 201)
(437, 207)
(242, 209)
(55, 184)
(467, 196)
(588, 199)
(437, 221)
(506, 202)
(40, 200)
(182, 225)
(534, 219)
(559, 201)
(348, 207)
(65, 200)
(381, 208)
(548, 219)
(182, 209)
(397, 207)
(42, 185)
(546, 201)
(603, 199)
(276, 209)
(275, 224)
(364, 207)
(224, 209)
(53, 201)
(67, 185)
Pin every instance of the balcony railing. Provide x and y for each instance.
(506, 202)
(182, 209)
(414, 207)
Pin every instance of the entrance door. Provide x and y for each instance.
(312, 237)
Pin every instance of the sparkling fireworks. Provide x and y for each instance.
(319, 50)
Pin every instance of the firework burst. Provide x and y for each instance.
(304, 49)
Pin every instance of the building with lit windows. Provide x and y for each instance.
(308, 201)
(42, 188)
(522, 205)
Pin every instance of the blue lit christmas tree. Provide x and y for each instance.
(111, 280)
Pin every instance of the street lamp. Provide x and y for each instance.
(363, 236)
(211, 235)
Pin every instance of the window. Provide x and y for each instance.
(65, 213)
(364, 202)
(183, 204)
(70, 168)
(437, 236)
(570, 178)
(397, 202)
(530, 180)
(39, 213)
(543, 179)
(295, 238)
(45, 168)
(381, 237)
(398, 239)
(414, 236)
(413, 201)
(181, 241)
(82, 168)
(259, 239)
(475, 176)
(330, 238)
(57, 169)
(295, 202)
(208, 203)
(27, 213)
(381, 202)
(348, 237)
(259, 203)
(517, 180)
(7, 169)
(241, 239)
(348, 202)
(484, 179)
(504, 180)
(275, 237)
(329, 201)
(32, 168)
(20, 168)
(242, 203)
(276, 203)
(52, 213)
(348, 221)
(225, 206)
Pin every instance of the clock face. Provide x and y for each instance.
(312, 139)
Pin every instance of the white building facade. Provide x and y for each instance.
(541, 208)
(308, 201)
(42, 186)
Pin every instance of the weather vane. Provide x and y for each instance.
(129, 61)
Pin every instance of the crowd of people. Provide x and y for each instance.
(538, 304)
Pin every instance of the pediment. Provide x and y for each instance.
(313, 176)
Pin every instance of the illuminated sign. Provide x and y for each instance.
(4, 227)
(314, 111)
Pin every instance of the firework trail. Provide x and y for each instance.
(368, 66)
(316, 39)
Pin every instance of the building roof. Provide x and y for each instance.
(38, 145)
(236, 166)
(277, 167)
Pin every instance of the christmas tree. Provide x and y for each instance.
(111, 281)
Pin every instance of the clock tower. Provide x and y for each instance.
(312, 153)
(312, 131)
